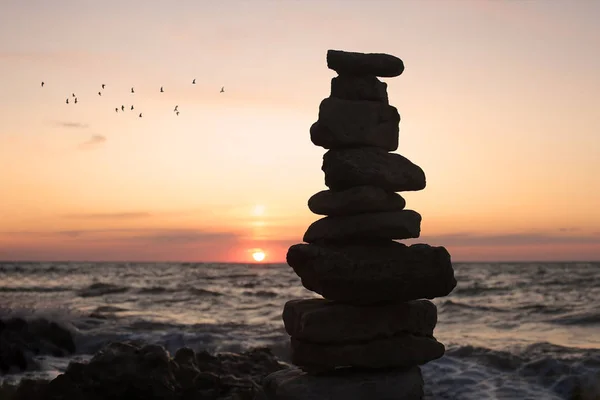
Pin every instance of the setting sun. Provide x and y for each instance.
(259, 209)
(258, 256)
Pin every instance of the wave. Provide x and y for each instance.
(447, 305)
(581, 319)
(152, 290)
(538, 371)
(34, 289)
(203, 292)
(260, 293)
(101, 289)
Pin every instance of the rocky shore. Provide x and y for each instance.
(126, 370)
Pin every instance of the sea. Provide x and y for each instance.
(511, 330)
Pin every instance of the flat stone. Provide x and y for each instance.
(353, 87)
(348, 123)
(373, 273)
(295, 384)
(355, 200)
(403, 224)
(325, 321)
(346, 168)
(403, 350)
(352, 63)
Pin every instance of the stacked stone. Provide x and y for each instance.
(373, 324)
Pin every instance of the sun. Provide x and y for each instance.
(259, 210)
(258, 256)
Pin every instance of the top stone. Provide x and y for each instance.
(377, 64)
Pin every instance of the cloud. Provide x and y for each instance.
(185, 236)
(569, 229)
(117, 215)
(510, 239)
(69, 124)
(137, 235)
(94, 141)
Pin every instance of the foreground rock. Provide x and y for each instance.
(373, 273)
(350, 384)
(402, 350)
(346, 168)
(21, 339)
(351, 63)
(347, 123)
(324, 321)
(133, 371)
(359, 87)
(404, 224)
(355, 200)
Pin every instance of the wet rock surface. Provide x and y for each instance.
(344, 384)
(21, 339)
(128, 370)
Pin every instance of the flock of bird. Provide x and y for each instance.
(175, 110)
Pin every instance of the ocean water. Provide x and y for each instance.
(511, 330)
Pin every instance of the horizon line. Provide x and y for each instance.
(281, 262)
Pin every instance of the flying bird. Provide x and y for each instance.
(132, 90)
(177, 112)
(131, 108)
(194, 82)
(99, 93)
(75, 100)
(122, 108)
(73, 94)
(103, 86)
(42, 84)
(161, 89)
(222, 89)
(116, 109)
(140, 115)
(175, 108)
(67, 100)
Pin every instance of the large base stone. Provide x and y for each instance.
(373, 273)
(346, 168)
(404, 224)
(402, 350)
(324, 321)
(294, 384)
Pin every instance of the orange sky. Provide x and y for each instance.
(499, 106)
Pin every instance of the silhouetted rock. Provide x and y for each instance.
(129, 371)
(21, 339)
(348, 123)
(346, 384)
(355, 200)
(402, 350)
(345, 168)
(351, 63)
(371, 317)
(403, 224)
(373, 273)
(325, 321)
(353, 87)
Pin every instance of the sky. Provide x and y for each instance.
(498, 103)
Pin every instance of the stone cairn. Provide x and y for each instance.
(367, 337)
